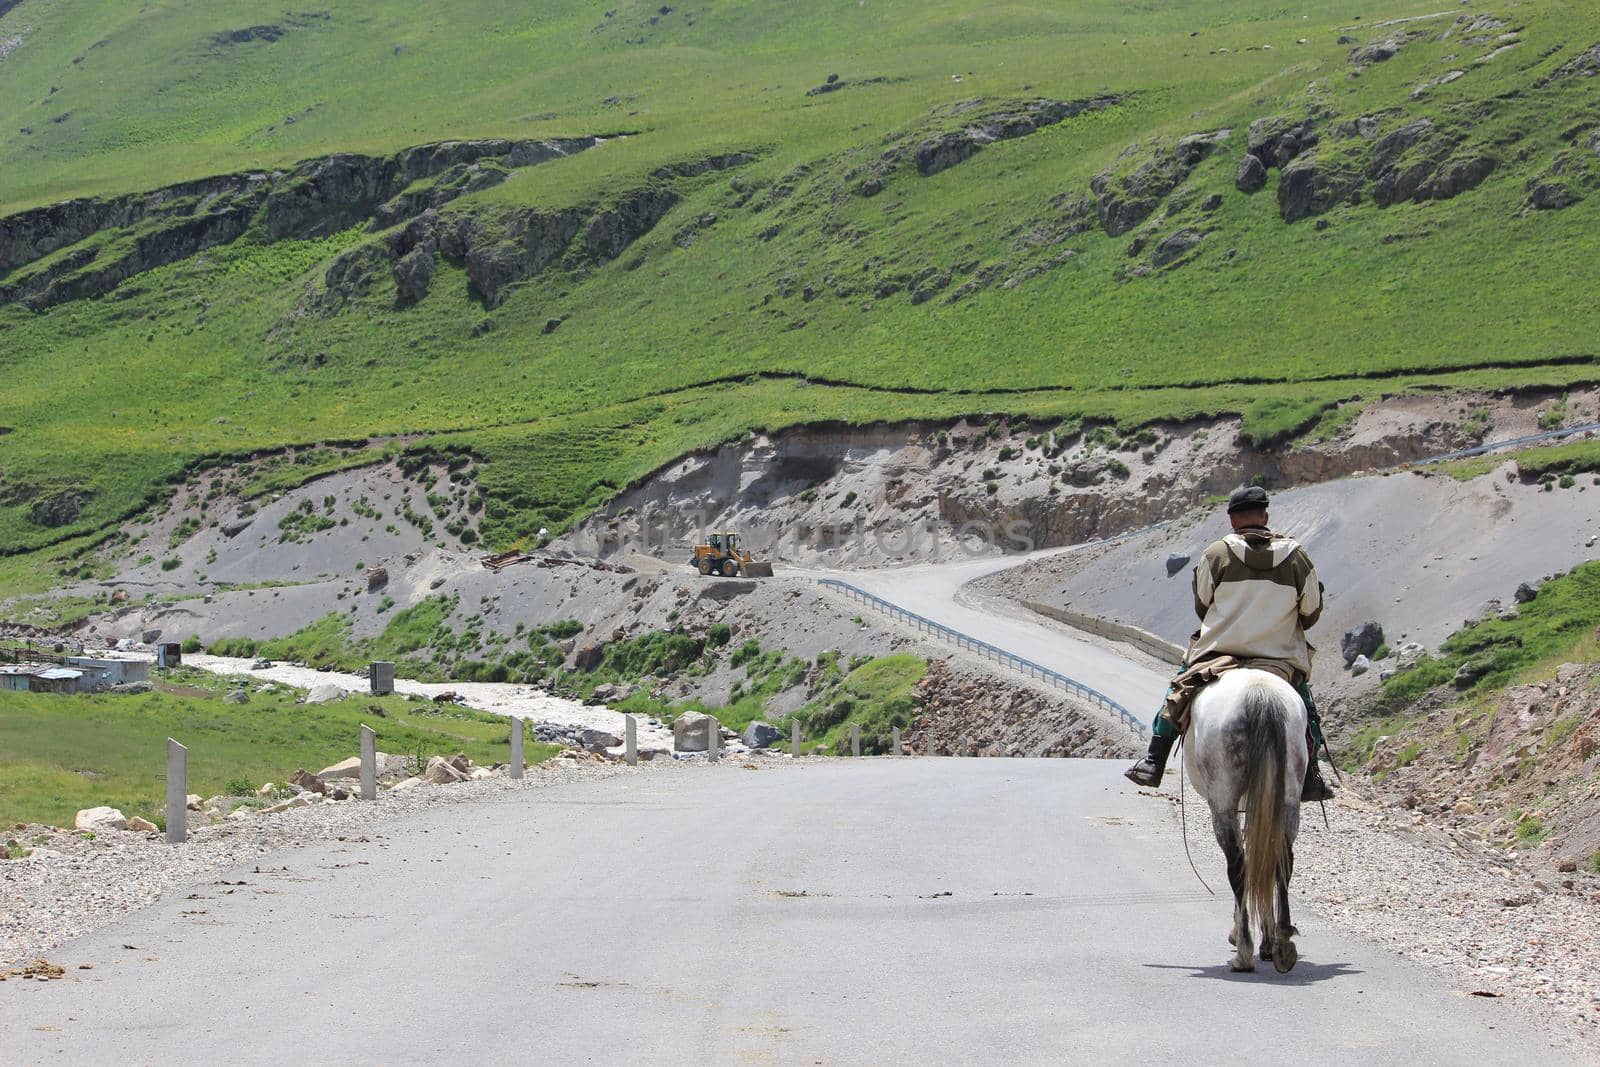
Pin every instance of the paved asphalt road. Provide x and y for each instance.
(923, 911)
(935, 591)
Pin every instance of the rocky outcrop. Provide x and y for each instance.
(1306, 188)
(969, 712)
(502, 247)
(947, 149)
(315, 198)
(1416, 162)
(1126, 197)
(1584, 65)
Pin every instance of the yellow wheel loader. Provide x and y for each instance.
(722, 554)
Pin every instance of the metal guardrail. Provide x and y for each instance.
(999, 655)
(1493, 446)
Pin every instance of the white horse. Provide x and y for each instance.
(1245, 748)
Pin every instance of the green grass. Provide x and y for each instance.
(60, 753)
(1533, 464)
(1559, 624)
(215, 355)
(1531, 830)
(875, 693)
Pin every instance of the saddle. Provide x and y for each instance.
(1186, 686)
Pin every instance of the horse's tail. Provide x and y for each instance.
(1265, 838)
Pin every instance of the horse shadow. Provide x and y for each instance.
(1303, 974)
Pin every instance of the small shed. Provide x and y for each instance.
(108, 670)
(40, 678)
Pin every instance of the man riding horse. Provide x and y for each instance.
(1256, 594)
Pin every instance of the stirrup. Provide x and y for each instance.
(1146, 772)
(1315, 789)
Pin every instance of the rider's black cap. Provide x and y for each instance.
(1247, 498)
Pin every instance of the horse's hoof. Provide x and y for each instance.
(1266, 951)
(1241, 968)
(1284, 957)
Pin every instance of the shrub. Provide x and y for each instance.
(562, 629)
(191, 643)
(237, 647)
(746, 652)
(172, 563)
(719, 634)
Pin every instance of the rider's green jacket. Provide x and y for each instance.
(1256, 593)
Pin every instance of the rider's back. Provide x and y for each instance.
(1256, 593)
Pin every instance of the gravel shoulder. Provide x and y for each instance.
(74, 883)
(1446, 901)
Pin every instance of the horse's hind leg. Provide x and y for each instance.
(1226, 827)
(1284, 953)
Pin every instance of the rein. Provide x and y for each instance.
(1183, 817)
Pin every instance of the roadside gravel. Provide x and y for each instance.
(1446, 900)
(73, 883)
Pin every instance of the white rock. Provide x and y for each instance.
(406, 785)
(440, 772)
(300, 801)
(141, 825)
(1361, 665)
(480, 773)
(322, 694)
(350, 768)
(100, 819)
(192, 801)
(266, 790)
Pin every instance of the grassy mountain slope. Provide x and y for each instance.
(1004, 208)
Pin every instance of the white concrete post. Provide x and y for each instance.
(894, 735)
(517, 762)
(369, 763)
(794, 738)
(855, 739)
(713, 738)
(177, 793)
(630, 740)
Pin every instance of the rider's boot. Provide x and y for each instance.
(1153, 764)
(1314, 789)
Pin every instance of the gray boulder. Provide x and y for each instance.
(1251, 176)
(1550, 196)
(760, 734)
(1176, 562)
(691, 732)
(325, 693)
(132, 688)
(412, 274)
(598, 740)
(1363, 640)
(1175, 247)
(237, 696)
(1525, 592)
(1361, 666)
(1467, 674)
